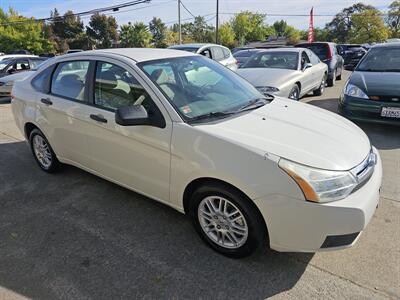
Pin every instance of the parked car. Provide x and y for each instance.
(243, 56)
(373, 91)
(7, 82)
(218, 53)
(20, 51)
(186, 131)
(352, 54)
(70, 51)
(236, 49)
(20, 64)
(286, 72)
(327, 52)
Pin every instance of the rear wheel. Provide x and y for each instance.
(339, 77)
(295, 93)
(321, 88)
(226, 221)
(42, 152)
(332, 81)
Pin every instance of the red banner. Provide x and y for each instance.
(311, 27)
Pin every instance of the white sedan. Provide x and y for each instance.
(186, 131)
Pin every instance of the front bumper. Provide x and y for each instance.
(302, 226)
(366, 110)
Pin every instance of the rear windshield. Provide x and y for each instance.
(321, 50)
(381, 60)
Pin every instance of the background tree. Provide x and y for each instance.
(280, 27)
(103, 30)
(341, 25)
(249, 27)
(368, 27)
(159, 32)
(137, 35)
(393, 19)
(226, 35)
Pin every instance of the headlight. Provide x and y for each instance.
(320, 185)
(354, 91)
(267, 89)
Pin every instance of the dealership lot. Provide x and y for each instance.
(73, 235)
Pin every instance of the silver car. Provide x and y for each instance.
(286, 72)
(216, 52)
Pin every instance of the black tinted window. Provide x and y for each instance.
(69, 80)
(321, 50)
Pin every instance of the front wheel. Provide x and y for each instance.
(295, 93)
(42, 152)
(226, 221)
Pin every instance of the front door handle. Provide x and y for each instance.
(98, 118)
(46, 101)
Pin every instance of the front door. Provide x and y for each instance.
(134, 156)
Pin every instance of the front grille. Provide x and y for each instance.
(395, 99)
(363, 172)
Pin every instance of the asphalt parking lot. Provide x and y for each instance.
(75, 236)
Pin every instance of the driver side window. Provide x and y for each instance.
(115, 87)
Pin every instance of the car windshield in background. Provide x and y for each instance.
(321, 50)
(4, 64)
(189, 49)
(275, 60)
(381, 59)
(198, 86)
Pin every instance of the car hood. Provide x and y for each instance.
(377, 83)
(296, 131)
(267, 76)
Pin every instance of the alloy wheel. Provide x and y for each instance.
(42, 151)
(222, 222)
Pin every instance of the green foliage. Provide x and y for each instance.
(103, 30)
(24, 33)
(249, 26)
(159, 32)
(368, 27)
(137, 35)
(226, 35)
(393, 19)
(341, 25)
(280, 27)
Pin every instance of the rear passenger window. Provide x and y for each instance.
(69, 80)
(218, 54)
(226, 52)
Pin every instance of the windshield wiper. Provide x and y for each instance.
(210, 115)
(255, 103)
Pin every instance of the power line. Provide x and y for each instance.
(187, 10)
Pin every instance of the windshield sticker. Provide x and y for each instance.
(186, 109)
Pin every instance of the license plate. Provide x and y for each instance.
(390, 112)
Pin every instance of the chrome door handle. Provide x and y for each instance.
(98, 118)
(46, 101)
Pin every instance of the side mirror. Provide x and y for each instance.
(306, 66)
(132, 116)
(349, 67)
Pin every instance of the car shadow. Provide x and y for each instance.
(383, 137)
(5, 100)
(73, 235)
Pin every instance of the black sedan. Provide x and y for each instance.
(352, 54)
(373, 91)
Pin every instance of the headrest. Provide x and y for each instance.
(108, 80)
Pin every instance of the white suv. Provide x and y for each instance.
(218, 53)
(186, 131)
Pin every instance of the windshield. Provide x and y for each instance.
(198, 86)
(4, 64)
(381, 60)
(275, 60)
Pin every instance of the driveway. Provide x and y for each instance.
(75, 236)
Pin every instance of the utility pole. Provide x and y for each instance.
(217, 23)
(179, 21)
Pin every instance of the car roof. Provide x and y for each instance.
(136, 54)
(387, 45)
(193, 45)
(283, 49)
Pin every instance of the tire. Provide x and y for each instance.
(295, 93)
(321, 88)
(220, 235)
(339, 77)
(42, 152)
(332, 81)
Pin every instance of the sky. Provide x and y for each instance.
(167, 9)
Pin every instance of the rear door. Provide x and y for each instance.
(63, 111)
(318, 69)
(135, 156)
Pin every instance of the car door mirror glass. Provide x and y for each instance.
(133, 115)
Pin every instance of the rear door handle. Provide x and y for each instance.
(46, 101)
(98, 118)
